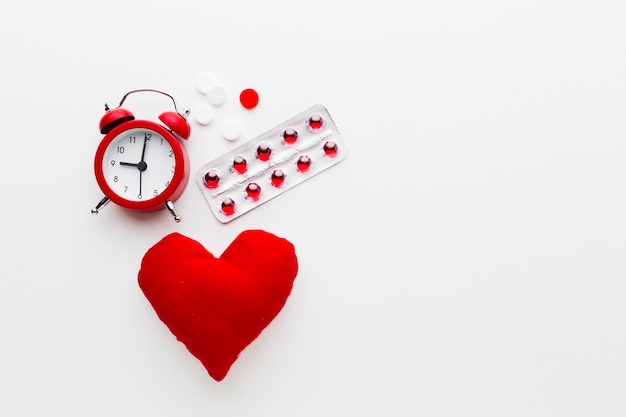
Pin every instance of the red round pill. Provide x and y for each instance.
(249, 98)
(211, 179)
(290, 135)
(330, 148)
(240, 165)
(253, 191)
(315, 122)
(278, 178)
(304, 163)
(228, 206)
(263, 152)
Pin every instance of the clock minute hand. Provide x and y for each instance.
(142, 165)
(143, 151)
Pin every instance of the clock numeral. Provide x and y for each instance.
(171, 154)
(113, 162)
(120, 149)
(155, 193)
(147, 136)
(132, 139)
(167, 183)
(125, 188)
(115, 179)
(139, 197)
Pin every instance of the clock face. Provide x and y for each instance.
(138, 164)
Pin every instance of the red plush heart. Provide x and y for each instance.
(218, 306)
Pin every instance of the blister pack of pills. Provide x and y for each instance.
(270, 164)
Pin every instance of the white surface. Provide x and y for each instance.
(466, 259)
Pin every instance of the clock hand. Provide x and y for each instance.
(142, 166)
(143, 151)
(129, 164)
(140, 172)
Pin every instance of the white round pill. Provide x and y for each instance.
(231, 130)
(203, 114)
(204, 82)
(216, 94)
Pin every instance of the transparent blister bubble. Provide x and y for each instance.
(270, 164)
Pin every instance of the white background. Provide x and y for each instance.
(466, 259)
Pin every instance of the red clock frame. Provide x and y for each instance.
(171, 193)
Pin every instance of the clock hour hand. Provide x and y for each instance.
(141, 166)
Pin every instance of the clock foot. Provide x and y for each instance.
(170, 207)
(101, 204)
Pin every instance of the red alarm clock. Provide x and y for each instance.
(142, 165)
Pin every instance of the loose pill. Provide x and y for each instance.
(216, 94)
(249, 98)
(204, 81)
(231, 130)
(203, 114)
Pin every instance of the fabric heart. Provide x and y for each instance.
(218, 306)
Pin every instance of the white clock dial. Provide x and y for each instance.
(138, 164)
